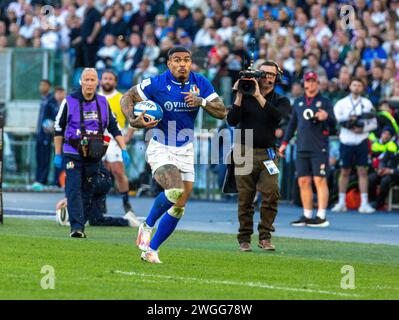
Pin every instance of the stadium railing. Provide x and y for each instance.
(22, 69)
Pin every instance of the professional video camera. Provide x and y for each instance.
(247, 87)
(358, 121)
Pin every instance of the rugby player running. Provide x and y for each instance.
(170, 153)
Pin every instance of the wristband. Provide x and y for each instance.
(203, 103)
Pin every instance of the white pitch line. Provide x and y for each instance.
(235, 283)
(30, 210)
(387, 225)
(43, 211)
(31, 217)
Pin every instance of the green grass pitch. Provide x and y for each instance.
(196, 266)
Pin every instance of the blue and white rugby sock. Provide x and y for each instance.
(161, 204)
(166, 227)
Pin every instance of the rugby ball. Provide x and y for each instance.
(61, 212)
(153, 110)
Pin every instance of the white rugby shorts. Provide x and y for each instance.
(158, 155)
(114, 152)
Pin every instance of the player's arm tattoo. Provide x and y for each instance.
(168, 176)
(127, 104)
(216, 108)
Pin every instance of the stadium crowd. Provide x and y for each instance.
(133, 37)
(302, 35)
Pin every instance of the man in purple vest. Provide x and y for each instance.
(68, 135)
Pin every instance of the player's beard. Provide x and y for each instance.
(182, 78)
(107, 88)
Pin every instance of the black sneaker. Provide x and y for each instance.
(318, 223)
(301, 222)
(77, 234)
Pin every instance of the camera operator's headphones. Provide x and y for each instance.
(279, 70)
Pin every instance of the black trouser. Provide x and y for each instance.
(79, 61)
(43, 158)
(82, 204)
(96, 214)
(43, 153)
(385, 182)
(89, 52)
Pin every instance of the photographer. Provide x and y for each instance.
(313, 119)
(354, 114)
(80, 145)
(257, 107)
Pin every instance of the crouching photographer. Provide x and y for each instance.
(257, 110)
(79, 134)
(98, 186)
(355, 116)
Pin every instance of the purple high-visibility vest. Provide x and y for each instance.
(72, 130)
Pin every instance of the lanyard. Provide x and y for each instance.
(355, 105)
(309, 101)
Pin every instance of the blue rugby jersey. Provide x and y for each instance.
(178, 117)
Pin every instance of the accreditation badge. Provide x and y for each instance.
(271, 167)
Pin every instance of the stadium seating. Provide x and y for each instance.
(76, 77)
(125, 80)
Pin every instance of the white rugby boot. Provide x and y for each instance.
(150, 256)
(144, 237)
